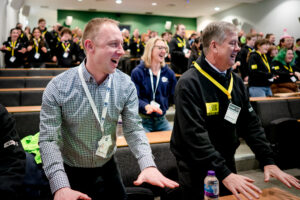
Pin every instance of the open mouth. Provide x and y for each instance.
(114, 60)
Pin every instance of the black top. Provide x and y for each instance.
(283, 71)
(259, 74)
(203, 139)
(195, 54)
(179, 63)
(65, 57)
(242, 57)
(136, 47)
(18, 61)
(12, 157)
(32, 55)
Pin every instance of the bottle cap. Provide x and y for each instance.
(211, 173)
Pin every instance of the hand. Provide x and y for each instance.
(187, 55)
(241, 184)
(150, 109)
(44, 49)
(236, 64)
(274, 171)
(298, 75)
(29, 48)
(23, 50)
(152, 176)
(3, 47)
(54, 59)
(69, 194)
(246, 78)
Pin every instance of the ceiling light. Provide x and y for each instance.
(118, 1)
(79, 0)
(154, 4)
(217, 8)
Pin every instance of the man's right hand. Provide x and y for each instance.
(69, 194)
(150, 109)
(241, 184)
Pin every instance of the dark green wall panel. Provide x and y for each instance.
(142, 22)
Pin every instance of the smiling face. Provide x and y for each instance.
(263, 48)
(36, 33)
(105, 50)
(181, 30)
(225, 53)
(159, 52)
(289, 56)
(14, 35)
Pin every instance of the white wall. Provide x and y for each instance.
(50, 15)
(267, 16)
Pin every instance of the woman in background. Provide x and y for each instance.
(195, 51)
(155, 83)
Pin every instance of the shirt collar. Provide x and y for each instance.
(216, 69)
(88, 77)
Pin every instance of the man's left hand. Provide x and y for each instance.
(152, 176)
(274, 171)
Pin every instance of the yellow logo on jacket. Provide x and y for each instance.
(212, 108)
(254, 66)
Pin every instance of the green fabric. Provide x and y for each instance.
(30, 144)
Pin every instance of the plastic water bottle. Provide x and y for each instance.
(211, 186)
(119, 130)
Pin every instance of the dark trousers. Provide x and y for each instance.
(191, 180)
(98, 183)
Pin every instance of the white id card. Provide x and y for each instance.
(66, 54)
(293, 79)
(155, 104)
(12, 59)
(185, 50)
(103, 146)
(232, 113)
(271, 79)
(36, 55)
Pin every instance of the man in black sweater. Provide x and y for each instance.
(212, 112)
(12, 158)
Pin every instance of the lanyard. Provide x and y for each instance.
(92, 103)
(66, 48)
(126, 40)
(157, 81)
(265, 60)
(181, 42)
(36, 44)
(216, 83)
(290, 69)
(13, 44)
(44, 33)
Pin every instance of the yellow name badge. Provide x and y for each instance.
(254, 66)
(212, 108)
(276, 67)
(180, 45)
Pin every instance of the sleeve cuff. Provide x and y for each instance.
(59, 180)
(146, 161)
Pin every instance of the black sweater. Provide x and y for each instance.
(204, 141)
(179, 63)
(283, 71)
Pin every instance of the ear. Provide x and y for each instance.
(213, 46)
(88, 45)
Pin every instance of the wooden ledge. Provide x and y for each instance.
(35, 69)
(272, 98)
(26, 77)
(20, 89)
(19, 109)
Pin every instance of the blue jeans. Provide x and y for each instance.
(260, 91)
(152, 124)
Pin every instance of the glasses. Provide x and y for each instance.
(162, 47)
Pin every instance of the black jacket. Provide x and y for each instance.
(72, 50)
(205, 140)
(259, 74)
(12, 158)
(179, 63)
(283, 71)
(19, 57)
(242, 57)
(136, 48)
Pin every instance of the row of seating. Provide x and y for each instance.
(31, 71)
(21, 96)
(25, 81)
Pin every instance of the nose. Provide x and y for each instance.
(237, 48)
(120, 50)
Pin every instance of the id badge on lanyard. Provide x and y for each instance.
(153, 102)
(105, 142)
(232, 113)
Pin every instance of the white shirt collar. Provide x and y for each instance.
(216, 69)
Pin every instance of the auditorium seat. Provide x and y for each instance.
(31, 98)
(11, 98)
(12, 83)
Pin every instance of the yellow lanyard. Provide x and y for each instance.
(13, 44)
(58, 38)
(126, 40)
(181, 42)
(216, 83)
(44, 33)
(290, 69)
(36, 44)
(65, 48)
(265, 60)
(250, 50)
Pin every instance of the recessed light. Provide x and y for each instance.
(79, 0)
(217, 8)
(118, 1)
(154, 4)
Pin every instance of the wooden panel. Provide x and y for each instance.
(21, 89)
(26, 69)
(290, 94)
(153, 138)
(26, 77)
(268, 194)
(271, 98)
(16, 109)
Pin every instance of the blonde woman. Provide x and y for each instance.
(155, 83)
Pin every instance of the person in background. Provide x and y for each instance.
(155, 84)
(66, 49)
(195, 51)
(244, 54)
(166, 37)
(49, 40)
(14, 50)
(260, 73)
(135, 46)
(27, 32)
(12, 158)
(285, 41)
(297, 51)
(77, 144)
(283, 67)
(192, 38)
(144, 39)
(210, 118)
(271, 38)
(272, 52)
(179, 51)
(37, 49)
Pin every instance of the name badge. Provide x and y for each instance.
(185, 50)
(103, 146)
(293, 79)
(271, 79)
(232, 113)
(37, 55)
(155, 104)
(66, 54)
(12, 59)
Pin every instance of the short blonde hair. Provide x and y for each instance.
(147, 56)
(92, 28)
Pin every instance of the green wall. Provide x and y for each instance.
(142, 22)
